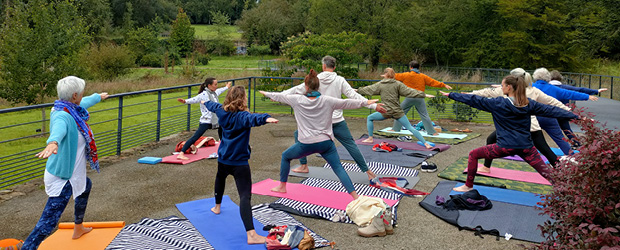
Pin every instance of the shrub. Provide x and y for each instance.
(203, 59)
(585, 201)
(108, 61)
(152, 60)
(259, 50)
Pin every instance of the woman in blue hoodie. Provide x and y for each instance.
(511, 116)
(234, 153)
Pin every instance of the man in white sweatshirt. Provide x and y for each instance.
(335, 86)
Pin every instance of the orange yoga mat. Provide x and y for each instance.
(102, 234)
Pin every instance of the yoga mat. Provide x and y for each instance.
(394, 157)
(504, 195)
(328, 213)
(314, 195)
(356, 177)
(436, 140)
(224, 230)
(518, 158)
(378, 168)
(515, 175)
(167, 233)
(520, 221)
(455, 172)
(401, 144)
(440, 135)
(98, 238)
(202, 153)
(104, 224)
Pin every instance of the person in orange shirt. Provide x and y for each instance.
(416, 80)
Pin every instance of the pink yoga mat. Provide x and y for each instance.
(313, 195)
(515, 175)
(202, 153)
(403, 145)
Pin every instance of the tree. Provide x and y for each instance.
(142, 41)
(272, 21)
(98, 14)
(39, 44)
(182, 34)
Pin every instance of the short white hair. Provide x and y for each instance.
(519, 72)
(69, 85)
(542, 74)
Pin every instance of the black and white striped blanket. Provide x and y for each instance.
(379, 168)
(332, 213)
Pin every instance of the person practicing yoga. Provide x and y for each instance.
(552, 126)
(313, 113)
(538, 138)
(335, 86)
(391, 90)
(70, 145)
(512, 116)
(208, 91)
(234, 153)
(418, 81)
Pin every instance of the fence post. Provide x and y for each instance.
(189, 108)
(159, 116)
(254, 98)
(119, 129)
(250, 92)
(611, 89)
(43, 127)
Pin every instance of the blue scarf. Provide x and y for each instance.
(81, 116)
(313, 94)
(416, 70)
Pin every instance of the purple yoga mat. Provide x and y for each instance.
(404, 145)
(515, 175)
(518, 158)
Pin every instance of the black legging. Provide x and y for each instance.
(202, 128)
(539, 142)
(243, 178)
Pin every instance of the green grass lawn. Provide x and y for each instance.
(206, 32)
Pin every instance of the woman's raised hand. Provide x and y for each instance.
(51, 148)
(430, 96)
(181, 100)
(444, 93)
(272, 120)
(593, 98)
(373, 101)
(228, 84)
(104, 95)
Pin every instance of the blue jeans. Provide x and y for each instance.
(552, 127)
(343, 135)
(327, 149)
(420, 106)
(52, 211)
(376, 116)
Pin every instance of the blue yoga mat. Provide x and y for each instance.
(504, 195)
(559, 152)
(224, 230)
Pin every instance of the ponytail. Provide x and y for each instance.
(518, 85)
(206, 83)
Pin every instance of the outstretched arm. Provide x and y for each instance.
(546, 99)
(299, 89)
(405, 91)
(488, 92)
(349, 92)
(482, 103)
(579, 89)
(93, 99)
(551, 111)
(370, 90)
(280, 97)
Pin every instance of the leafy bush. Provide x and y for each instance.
(220, 47)
(202, 59)
(142, 41)
(152, 60)
(259, 50)
(464, 112)
(276, 85)
(108, 61)
(585, 201)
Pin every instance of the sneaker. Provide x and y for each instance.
(404, 138)
(428, 167)
(375, 228)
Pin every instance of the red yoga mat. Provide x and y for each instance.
(202, 153)
(308, 194)
(515, 175)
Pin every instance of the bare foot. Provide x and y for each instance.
(302, 169)
(254, 238)
(216, 208)
(181, 156)
(428, 146)
(79, 230)
(354, 195)
(462, 188)
(368, 140)
(483, 169)
(435, 134)
(280, 188)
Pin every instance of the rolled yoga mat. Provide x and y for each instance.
(202, 153)
(102, 234)
(402, 144)
(224, 230)
(313, 195)
(520, 221)
(356, 177)
(515, 175)
(504, 195)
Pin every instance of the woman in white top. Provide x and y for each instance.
(313, 113)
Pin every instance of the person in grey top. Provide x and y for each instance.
(208, 92)
(313, 112)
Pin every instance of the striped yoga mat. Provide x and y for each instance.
(379, 168)
(167, 233)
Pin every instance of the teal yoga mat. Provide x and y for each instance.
(223, 231)
(441, 135)
(504, 195)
